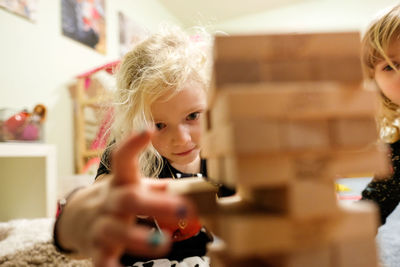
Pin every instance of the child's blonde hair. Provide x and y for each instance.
(376, 41)
(161, 64)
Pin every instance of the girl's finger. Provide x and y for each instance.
(148, 243)
(110, 232)
(129, 200)
(125, 163)
(113, 237)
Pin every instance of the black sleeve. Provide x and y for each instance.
(385, 191)
(102, 170)
(105, 163)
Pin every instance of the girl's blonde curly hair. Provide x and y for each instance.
(161, 64)
(375, 43)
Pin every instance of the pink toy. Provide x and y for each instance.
(31, 132)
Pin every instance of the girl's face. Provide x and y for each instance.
(386, 77)
(177, 122)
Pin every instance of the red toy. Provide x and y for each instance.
(24, 125)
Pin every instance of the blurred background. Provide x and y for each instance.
(41, 59)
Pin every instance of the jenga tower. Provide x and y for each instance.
(287, 115)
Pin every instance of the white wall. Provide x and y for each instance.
(37, 63)
(309, 16)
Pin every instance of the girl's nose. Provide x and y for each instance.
(181, 135)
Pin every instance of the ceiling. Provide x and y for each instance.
(191, 12)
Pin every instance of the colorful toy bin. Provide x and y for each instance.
(22, 125)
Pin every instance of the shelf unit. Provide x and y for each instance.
(28, 180)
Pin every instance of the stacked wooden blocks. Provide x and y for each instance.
(287, 114)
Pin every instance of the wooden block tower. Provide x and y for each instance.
(287, 114)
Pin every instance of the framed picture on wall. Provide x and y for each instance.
(24, 8)
(130, 33)
(84, 21)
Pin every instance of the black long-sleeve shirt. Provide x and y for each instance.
(385, 191)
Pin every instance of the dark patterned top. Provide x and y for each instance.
(385, 191)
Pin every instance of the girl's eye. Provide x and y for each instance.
(193, 116)
(160, 126)
(389, 68)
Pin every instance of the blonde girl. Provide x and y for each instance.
(381, 62)
(161, 85)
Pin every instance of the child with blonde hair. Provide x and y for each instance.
(161, 85)
(381, 62)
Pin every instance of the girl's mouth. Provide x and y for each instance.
(184, 153)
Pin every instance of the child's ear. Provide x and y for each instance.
(371, 73)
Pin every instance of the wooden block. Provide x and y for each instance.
(225, 260)
(359, 252)
(198, 190)
(190, 185)
(206, 122)
(255, 234)
(236, 204)
(338, 69)
(311, 199)
(353, 221)
(300, 200)
(305, 135)
(286, 71)
(216, 170)
(287, 57)
(274, 47)
(278, 169)
(242, 137)
(270, 199)
(315, 258)
(366, 161)
(354, 131)
(227, 73)
(345, 70)
(229, 206)
(263, 136)
(254, 171)
(358, 220)
(281, 101)
(311, 257)
(250, 235)
(218, 260)
(237, 72)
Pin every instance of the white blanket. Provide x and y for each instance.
(29, 242)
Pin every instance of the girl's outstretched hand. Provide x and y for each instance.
(99, 221)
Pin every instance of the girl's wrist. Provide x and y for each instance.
(60, 208)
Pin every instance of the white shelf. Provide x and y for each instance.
(19, 149)
(28, 182)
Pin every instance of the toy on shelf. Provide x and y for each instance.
(22, 125)
(92, 95)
